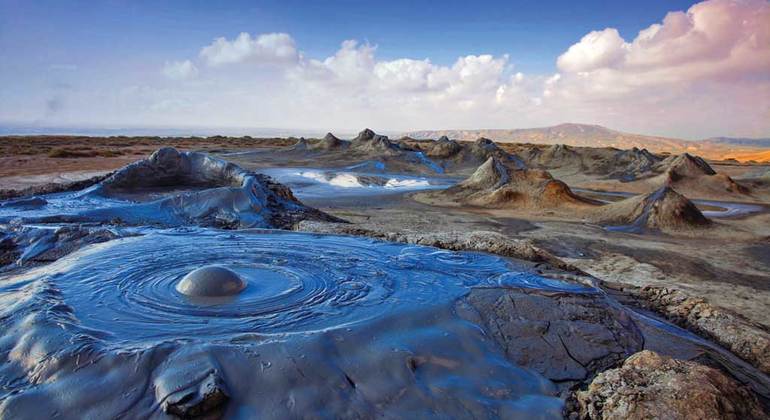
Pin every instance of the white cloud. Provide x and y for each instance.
(716, 38)
(269, 48)
(697, 71)
(180, 70)
(597, 49)
(404, 74)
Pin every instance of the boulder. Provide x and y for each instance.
(651, 386)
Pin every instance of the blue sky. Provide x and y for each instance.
(55, 56)
(533, 31)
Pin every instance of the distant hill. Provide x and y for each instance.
(589, 135)
(739, 141)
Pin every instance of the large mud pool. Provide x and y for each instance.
(126, 288)
(325, 323)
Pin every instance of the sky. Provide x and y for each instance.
(671, 68)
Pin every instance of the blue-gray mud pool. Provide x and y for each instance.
(331, 324)
(295, 283)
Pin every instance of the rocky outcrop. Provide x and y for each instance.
(664, 209)
(565, 336)
(650, 386)
(495, 184)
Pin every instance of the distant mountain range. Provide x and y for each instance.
(588, 135)
(739, 141)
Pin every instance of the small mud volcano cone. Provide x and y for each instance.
(664, 209)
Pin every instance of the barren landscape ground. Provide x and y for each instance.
(697, 262)
(678, 241)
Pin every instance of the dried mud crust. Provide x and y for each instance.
(483, 241)
(747, 340)
(566, 337)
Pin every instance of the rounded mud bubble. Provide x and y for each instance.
(211, 281)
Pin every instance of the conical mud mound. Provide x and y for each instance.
(625, 165)
(664, 209)
(496, 184)
(695, 177)
(370, 142)
(329, 142)
(687, 165)
(444, 148)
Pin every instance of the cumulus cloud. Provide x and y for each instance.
(269, 48)
(180, 70)
(713, 58)
(717, 38)
(596, 50)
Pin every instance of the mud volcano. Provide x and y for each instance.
(173, 188)
(211, 281)
(499, 184)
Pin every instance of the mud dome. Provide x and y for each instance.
(211, 281)
(337, 325)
